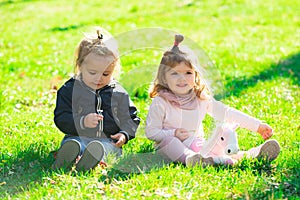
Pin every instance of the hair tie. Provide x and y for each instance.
(100, 37)
(178, 38)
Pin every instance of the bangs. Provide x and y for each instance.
(172, 59)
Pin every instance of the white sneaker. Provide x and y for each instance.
(91, 156)
(269, 150)
(197, 159)
(66, 154)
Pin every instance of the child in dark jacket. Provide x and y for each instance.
(92, 109)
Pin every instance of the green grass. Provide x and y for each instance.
(255, 49)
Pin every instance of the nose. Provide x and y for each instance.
(181, 77)
(98, 79)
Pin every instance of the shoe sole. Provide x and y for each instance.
(66, 155)
(269, 150)
(91, 156)
(207, 161)
(197, 159)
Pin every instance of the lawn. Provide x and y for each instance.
(252, 53)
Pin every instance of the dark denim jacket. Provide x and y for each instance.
(75, 100)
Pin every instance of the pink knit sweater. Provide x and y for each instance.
(163, 118)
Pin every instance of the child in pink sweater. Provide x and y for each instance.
(180, 102)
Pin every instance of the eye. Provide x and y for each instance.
(92, 73)
(222, 138)
(105, 74)
(189, 72)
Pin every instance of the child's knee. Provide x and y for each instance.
(167, 140)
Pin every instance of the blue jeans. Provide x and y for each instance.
(108, 144)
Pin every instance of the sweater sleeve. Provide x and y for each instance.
(63, 115)
(129, 121)
(221, 112)
(154, 122)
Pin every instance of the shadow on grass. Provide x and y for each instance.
(288, 68)
(65, 28)
(281, 178)
(284, 186)
(13, 1)
(28, 166)
(137, 164)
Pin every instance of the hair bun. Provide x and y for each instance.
(178, 38)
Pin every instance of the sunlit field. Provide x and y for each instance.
(252, 49)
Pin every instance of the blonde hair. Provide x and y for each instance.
(171, 59)
(102, 44)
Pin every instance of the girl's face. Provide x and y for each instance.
(97, 70)
(180, 79)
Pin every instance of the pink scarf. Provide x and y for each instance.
(185, 102)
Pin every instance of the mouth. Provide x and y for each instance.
(181, 85)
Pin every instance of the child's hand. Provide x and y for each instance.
(181, 134)
(265, 131)
(91, 120)
(121, 139)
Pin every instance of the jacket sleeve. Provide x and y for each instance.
(154, 123)
(63, 115)
(127, 116)
(221, 112)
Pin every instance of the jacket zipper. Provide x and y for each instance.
(99, 102)
(99, 112)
